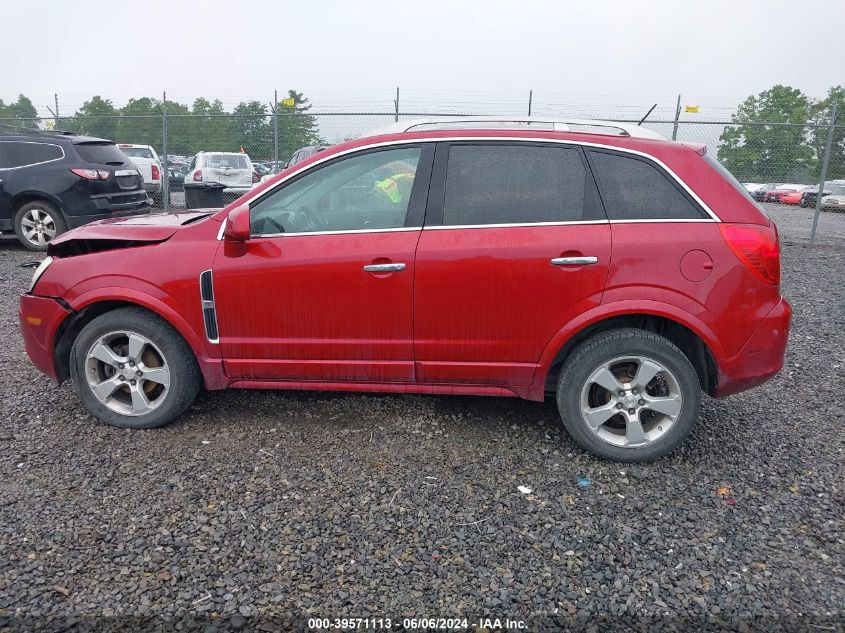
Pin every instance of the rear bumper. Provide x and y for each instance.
(40, 318)
(762, 355)
(74, 221)
(152, 187)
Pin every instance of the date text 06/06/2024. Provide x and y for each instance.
(445, 624)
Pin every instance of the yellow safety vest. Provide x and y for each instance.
(390, 187)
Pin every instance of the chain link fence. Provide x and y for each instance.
(755, 152)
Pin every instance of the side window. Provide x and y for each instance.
(516, 184)
(366, 191)
(20, 154)
(634, 189)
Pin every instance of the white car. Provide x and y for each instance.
(751, 187)
(232, 169)
(834, 202)
(148, 163)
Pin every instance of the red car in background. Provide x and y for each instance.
(794, 197)
(782, 191)
(598, 262)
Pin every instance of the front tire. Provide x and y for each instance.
(628, 395)
(132, 370)
(37, 223)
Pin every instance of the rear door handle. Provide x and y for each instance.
(574, 261)
(384, 268)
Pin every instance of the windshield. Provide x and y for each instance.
(226, 161)
(137, 152)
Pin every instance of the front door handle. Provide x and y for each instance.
(384, 268)
(574, 261)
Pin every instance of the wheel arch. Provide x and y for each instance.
(87, 310)
(695, 340)
(25, 197)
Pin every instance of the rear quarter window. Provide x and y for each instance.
(636, 189)
(21, 154)
(101, 153)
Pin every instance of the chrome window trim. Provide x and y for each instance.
(521, 139)
(399, 229)
(43, 162)
(666, 221)
(447, 227)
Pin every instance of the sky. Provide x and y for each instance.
(584, 57)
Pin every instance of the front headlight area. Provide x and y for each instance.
(42, 266)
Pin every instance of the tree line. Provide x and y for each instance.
(784, 153)
(751, 150)
(203, 126)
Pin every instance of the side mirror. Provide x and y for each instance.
(237, 225)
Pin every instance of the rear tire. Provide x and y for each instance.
(132, 370)
(628, 395)
(37, 223)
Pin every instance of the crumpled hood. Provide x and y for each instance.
(121, 232)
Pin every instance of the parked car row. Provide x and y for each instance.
(801, 195)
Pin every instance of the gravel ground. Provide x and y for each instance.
(262, 509)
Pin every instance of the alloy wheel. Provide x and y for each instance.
(127, 373)
(631, 401)
(38, 226)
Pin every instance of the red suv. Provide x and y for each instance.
(621, 272)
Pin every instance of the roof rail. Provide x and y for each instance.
(586, 126)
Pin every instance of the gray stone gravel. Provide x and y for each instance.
(257, 510)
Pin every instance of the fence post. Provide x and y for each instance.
(165, 174)
(56, 101)
(396, 106)
(275, 131)
(530, 99)
(677, 117)
(825, 163)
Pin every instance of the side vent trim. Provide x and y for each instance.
(209, 312)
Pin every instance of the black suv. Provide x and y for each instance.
(52, 181)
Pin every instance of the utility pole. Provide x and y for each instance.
(275, 109)
(396, 105)
(56, 101)
(530, 99)
(677, 117)
(825, 162)
(164, 171)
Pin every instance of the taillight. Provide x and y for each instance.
(198, 175)
(255, 177)
(757, 247)
(92, 174)
(156, 172)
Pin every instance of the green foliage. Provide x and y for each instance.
(20, 109)
(297, 128)
(821, 113)
(252, 130)
(97, 117)
(203, 126)
(770, 153)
